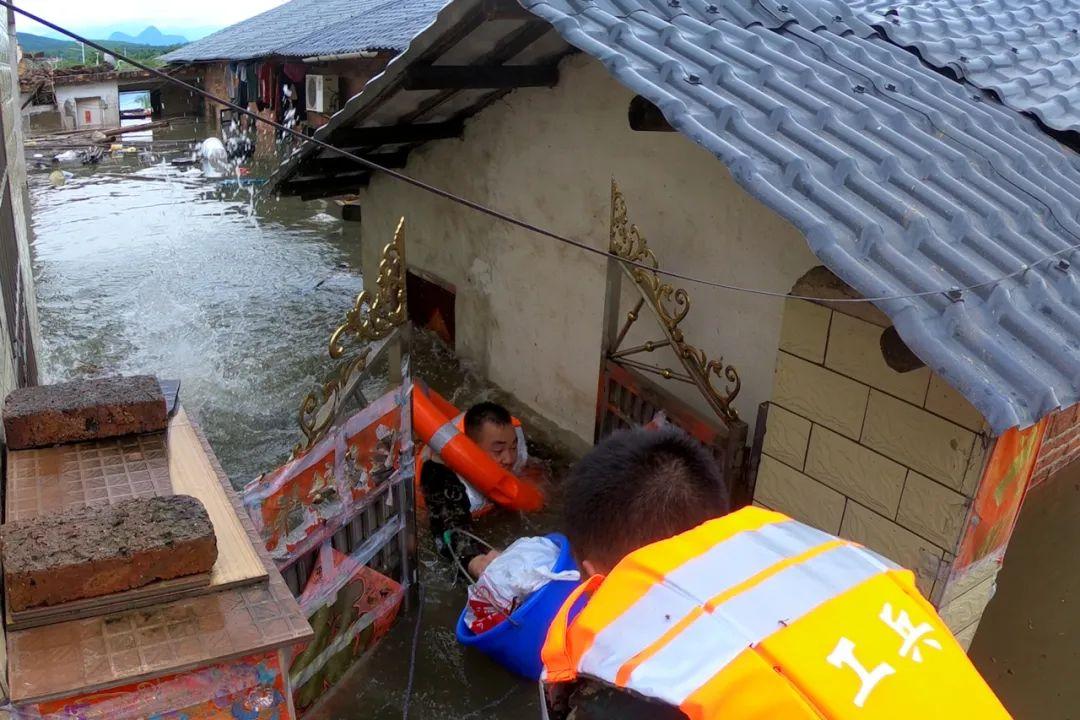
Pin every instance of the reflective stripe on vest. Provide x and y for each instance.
(443, 436)
(782, 570)
(750, 606)
(700, 586)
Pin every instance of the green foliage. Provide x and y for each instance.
(70, 52)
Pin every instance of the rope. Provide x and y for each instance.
(505, 217)
(450, 546)
(412, 655)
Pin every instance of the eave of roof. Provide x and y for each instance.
(307, 28)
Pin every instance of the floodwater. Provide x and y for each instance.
(142, 267)
(1028, 643)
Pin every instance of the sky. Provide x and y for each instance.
(97, 18)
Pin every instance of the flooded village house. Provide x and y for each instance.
(800, 150)
(87, 97)
(296, 63)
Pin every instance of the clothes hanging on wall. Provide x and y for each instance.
(266, 86)
(295, 72)
(241, 85)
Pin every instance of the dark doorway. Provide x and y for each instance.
(431, 304)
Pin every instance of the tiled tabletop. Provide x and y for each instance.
(79, 656)
(103, 472)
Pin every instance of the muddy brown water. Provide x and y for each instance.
(141, 267)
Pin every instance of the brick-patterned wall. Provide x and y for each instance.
(1061, 445)
(214, 83)
(891, 460)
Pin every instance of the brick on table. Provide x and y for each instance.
(94, 551)
(81, 410)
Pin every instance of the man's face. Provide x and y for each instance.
(500, 442)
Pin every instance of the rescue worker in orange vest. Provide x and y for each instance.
(692, 613)
(448, 499)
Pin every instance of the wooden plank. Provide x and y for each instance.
(192, 474)
(152, 594)
(480, 77)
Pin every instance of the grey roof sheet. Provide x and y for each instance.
(307, 28)
(1026, 51)
(902, 181)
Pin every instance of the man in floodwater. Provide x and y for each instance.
(451, 501)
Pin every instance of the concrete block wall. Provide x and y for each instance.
(890, 460)
(1061, 445)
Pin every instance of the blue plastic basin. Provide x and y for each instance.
(516, 642)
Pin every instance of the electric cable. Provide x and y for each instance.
(510, 219)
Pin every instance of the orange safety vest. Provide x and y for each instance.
(756, 616)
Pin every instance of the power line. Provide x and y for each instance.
(500, 215)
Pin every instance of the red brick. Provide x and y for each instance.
(1039, 478)
(95, 551)
(83, 410)
(1050, 455)
(1063, 421)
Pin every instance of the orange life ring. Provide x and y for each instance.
(433, 422)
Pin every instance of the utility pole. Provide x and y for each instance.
(83, 46)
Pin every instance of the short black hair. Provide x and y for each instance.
(638, 487)
(486, 412)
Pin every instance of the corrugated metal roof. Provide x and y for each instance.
(902, 180)
(1026, 51)
(389, 26)
(306, 28)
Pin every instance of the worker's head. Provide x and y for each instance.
(490, 426)
(638, 487)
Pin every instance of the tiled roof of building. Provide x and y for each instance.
(903, 181)
(389, 26)
(1026, 51)
(309, 28)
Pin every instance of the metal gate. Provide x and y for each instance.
(339, 517)
(627, 397)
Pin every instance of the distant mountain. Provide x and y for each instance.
(149, 36)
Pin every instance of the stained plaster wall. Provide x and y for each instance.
(529, 310)
(107, 91)
(14, 187)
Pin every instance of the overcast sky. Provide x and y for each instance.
(191, 17)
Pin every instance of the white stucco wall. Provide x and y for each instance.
(529, 310)
(108, 93)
